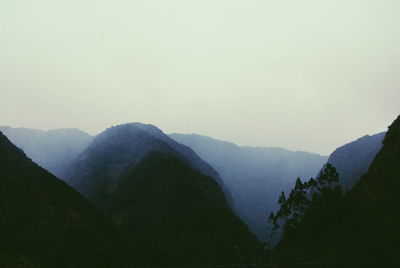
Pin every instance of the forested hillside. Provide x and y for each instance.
(360, 224)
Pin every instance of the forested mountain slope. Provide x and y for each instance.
(361, 224)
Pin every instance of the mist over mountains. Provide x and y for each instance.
(140, 197)
(254, 175)
(121, 148)
(135, 175)
(54, 150)
(164, 206)
(162, 196)
(353, 159)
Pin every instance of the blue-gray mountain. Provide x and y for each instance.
(53, 150)
(353, 159)
(254, 175)
(162, 197)
(123, 146)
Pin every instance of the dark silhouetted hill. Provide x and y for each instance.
(46, 223)
(179, 216)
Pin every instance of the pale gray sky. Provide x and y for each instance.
(295, 74)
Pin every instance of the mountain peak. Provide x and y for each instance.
(132, 130)
(120, 148)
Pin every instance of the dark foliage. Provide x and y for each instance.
(305, 199)
(362, 224)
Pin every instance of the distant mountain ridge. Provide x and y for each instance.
(54, 150)
(354, 158)
(254, 175)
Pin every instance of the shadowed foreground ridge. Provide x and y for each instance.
(176, 216)
(43, 221)
(362, 224)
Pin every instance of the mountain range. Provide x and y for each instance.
(137, 196)
(155, 202)
(169, 204)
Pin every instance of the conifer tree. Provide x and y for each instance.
(311, 194)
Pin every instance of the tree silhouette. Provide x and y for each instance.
(304, 196)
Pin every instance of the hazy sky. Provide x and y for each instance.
(308, 75)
